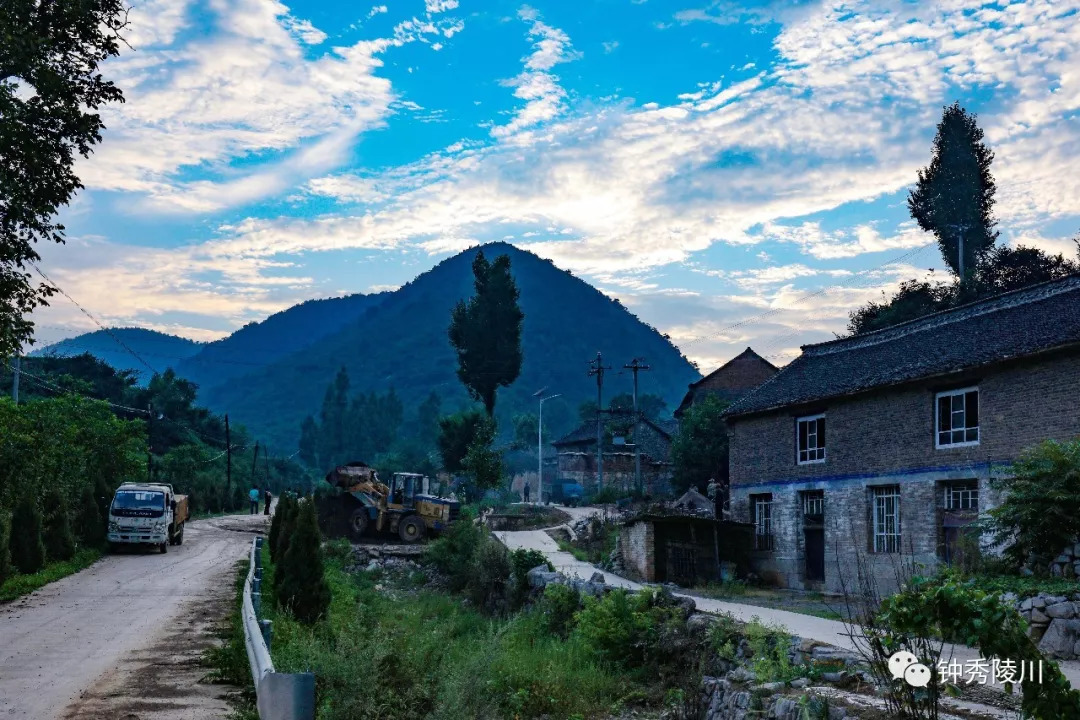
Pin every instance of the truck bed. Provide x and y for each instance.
(183, 512)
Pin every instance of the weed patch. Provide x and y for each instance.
(19, 585)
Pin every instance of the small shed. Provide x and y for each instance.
(684, 549)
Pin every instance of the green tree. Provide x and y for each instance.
(309, 442)
(1040, 510)
(526, 428)
(1006, 269)
(90, 525)
(50, 90)
(483, 463)
(456, 434)
(5, 548)
(333, 422)
(486, 331)
(699, 451)
(27, 549)
(954, 196)
(427, 420)
(301, 585)
(57, 534)
(288, 506)
(914, 299)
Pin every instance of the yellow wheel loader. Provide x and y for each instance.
(404, 508)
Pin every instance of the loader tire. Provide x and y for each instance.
(411, 529)
(358, 523)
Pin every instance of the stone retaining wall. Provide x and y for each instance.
(1054, 623)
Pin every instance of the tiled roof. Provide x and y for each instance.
(583, 433)
(1016, 324)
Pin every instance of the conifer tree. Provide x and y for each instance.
(288, 522)
(278, 519)
(27, 550)
(301, 585)
(59, 540)
(5, 548)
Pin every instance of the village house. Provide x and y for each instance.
(730, 381)
(576, 453)
(885, 443)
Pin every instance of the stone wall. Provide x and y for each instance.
(637, 546)
(1054, 623)
(726, 700)
(619, 472)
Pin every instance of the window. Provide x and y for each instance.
(761, 511)
(960, 496)
(814, 503)
(886, 512)
(811, 439)
(958, 418)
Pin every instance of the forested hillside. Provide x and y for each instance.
(401, 343)
(159, 350)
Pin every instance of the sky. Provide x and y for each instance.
(735, 173)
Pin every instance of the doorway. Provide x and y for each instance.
(813, 502)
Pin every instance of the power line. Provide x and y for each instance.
(87, 314)
(804, 298)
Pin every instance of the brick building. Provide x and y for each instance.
(576, 454)
(882, 442)
(730, 381)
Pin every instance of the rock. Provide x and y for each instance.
(1039, 617)
(835, 677)
(1067, 571)
(1063, 558)
(1038, 602)
(371, 566)
(1026, 571)
(540, 577)
(1026, 605)
(1055, 599)
(597, 577)
(799, 683)
(700, 623)
(1055, 570)
(742, 675)
(1009, 597)
(1060, 639)
(770, 686)
(837, 713)
(828, 653)
(687, 604)
(1064, 611)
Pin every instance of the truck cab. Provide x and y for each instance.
(147, 514)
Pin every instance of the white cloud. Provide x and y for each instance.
(377, 10)
(439, 6)
(537, 86)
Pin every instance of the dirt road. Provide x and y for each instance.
(122, 638)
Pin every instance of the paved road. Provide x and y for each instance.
(61, 644)
(831, 632)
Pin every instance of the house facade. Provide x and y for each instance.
(577, 462)
(730, 381)
(883, 445)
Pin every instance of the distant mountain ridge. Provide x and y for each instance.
(401, 342)
(270, 375)
(159, 350)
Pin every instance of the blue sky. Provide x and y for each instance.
(735, 173)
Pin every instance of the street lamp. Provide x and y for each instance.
(540, 444)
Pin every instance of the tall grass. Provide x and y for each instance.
(419, 654)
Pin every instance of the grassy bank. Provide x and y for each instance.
(229, 663)
(392, 649)
(20, 585)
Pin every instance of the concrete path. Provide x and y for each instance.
(832, 632)
(116, 639)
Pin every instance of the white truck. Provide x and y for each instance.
(147, 514)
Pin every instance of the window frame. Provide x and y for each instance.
(798, 450)
(761, 501)
(962, 490)
(961, 392)
(881, 492)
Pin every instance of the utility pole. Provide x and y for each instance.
(635, 366)
(596, 367)
(228, 459)
(254, 459)
(540, 448)
(149, 443)
(15, 379)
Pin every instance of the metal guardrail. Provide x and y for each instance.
(280, 696)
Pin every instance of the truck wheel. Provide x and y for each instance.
(164, 547)
(358, 523)
(180, 535)
(411, 529)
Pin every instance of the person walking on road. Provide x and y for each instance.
(526, 492)
(253, 495)
(267, 497)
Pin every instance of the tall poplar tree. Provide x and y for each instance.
(485, 331)
(954, 196)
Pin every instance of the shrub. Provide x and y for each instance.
(491, 570)
(725, 636)
(59, 540)
(522, 561)
(452, 554)
(275, 525)
(613, 626)
(301, 584)
(557, 607)
(288, 507)
(27, 550)
(771, 646)
(90, 524)
(1040, 512)
(5, 549)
